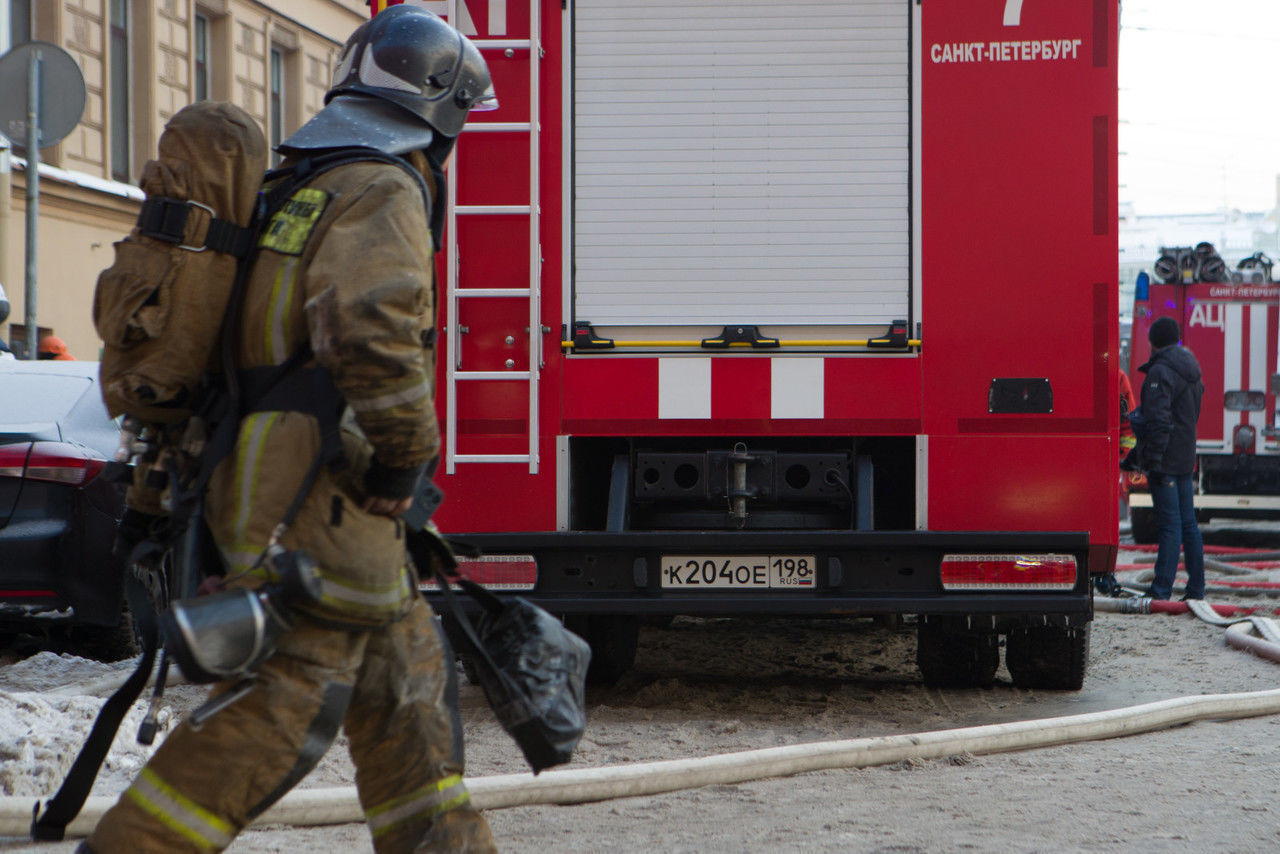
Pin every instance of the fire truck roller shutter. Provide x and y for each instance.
(692, 209)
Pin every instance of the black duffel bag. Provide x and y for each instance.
(531, 668)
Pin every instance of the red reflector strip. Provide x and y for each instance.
(496, 572)
(1008, 572)
(28, 594)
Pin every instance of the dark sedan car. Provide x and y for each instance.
(58, 577)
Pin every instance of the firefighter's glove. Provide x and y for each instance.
(389, 491)
(135, 526)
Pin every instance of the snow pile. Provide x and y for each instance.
(47, 707)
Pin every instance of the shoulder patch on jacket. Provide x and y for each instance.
(290, 227)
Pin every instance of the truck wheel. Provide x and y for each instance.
(1142, 521)
(1053, 657)
(613, 639)
(951, 655)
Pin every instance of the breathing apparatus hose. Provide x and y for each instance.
(307, 807)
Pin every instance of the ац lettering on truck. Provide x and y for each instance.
(790, 309)
(1233, 328)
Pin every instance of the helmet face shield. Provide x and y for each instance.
(487, 102)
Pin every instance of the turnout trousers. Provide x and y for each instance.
(392, 689)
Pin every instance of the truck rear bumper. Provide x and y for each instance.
(854, 573)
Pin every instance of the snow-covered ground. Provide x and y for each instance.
(703, 687)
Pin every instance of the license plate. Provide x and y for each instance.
(738, 572)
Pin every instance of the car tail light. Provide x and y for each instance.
(13, 459)
(60, 463)
(1244, 439)
(28, 594)
(1009, 572)
(497, 572)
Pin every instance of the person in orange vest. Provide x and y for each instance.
(54, 348)
(1127, 439)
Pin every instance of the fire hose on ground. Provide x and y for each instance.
(308, 807)
(1259, 635)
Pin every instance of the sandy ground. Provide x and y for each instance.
(702, 687)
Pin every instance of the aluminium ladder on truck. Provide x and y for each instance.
(455, 371)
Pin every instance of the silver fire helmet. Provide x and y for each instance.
(404, 79)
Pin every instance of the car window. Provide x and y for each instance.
(39, 398)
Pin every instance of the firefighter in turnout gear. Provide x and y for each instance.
(343, 285)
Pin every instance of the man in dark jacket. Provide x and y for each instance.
(1166, 450)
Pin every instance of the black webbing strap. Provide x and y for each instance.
(287, 387)
(163, 218)
(428, 553)
(65, 805)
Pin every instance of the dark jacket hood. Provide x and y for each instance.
(1178, 359)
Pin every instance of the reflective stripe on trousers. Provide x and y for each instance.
(179, 813)
(425, 802)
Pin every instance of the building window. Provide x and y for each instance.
(19, 22)
(119, 82)
(277, 98)
(201, 92)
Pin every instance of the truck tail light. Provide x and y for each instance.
(1244, 439)
(1009, 572)
(496, 572)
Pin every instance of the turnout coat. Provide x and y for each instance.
(344, 267)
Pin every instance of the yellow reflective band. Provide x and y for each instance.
(290, 227)
(179, 813)
(242, 559)
(342, 592)
(425, 802)
(412, 394)
(278, 310)
(253, 434)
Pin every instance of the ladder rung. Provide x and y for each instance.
(491, 458)
(492, 375)
(494, 127)
(493, 209)
(499, 44)
(493, 292)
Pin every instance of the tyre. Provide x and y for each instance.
(952, 655)
(105, 643)
(1142, 521)
(613, 639)
(1053, 657)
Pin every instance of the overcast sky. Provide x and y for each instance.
(1199, 126)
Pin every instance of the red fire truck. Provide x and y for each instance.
(798, 309)
(1231, 326)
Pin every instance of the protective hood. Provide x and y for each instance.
(360, 120)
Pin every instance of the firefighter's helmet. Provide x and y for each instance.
(404, 80)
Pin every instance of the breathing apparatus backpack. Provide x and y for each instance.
(160, 306)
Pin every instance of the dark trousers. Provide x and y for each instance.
(1176, 526)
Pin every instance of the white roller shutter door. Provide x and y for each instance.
(741, 161)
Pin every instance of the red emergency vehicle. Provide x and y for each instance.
(1231, 327)
(793, 309)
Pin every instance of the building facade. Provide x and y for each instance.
(142, 61)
